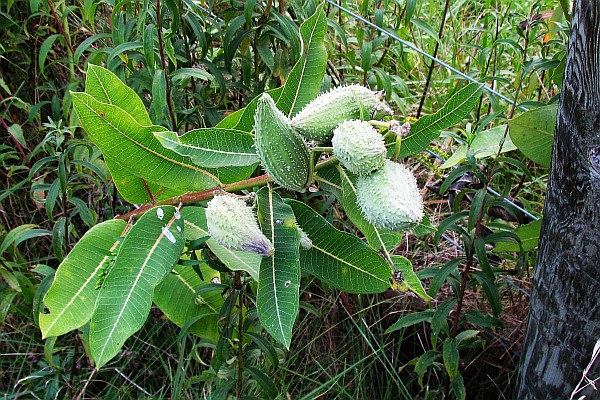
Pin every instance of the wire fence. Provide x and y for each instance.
(461, 74)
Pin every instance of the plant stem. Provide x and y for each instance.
(60, 27)
(163, 61)
(240, 351)
(431, 66)
(190, 198)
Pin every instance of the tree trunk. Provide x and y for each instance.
(564, 316)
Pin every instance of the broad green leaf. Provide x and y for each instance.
(235, 260)
(338, 258)
(147, 254)
(123, 140)
(485, 144)
(451, 358)
(529, 235)
(376, 237)
(533, 133)
(429, 127)
(177, 299)
(212, 147)
(71, 298)
(409, 278)
(278, 296)
(106, 87)
(411, 319)
(329, 179)
(305, 80)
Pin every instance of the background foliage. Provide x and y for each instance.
(190, 65)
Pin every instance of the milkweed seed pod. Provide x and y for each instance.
(389, 198)
(233, 224)
(358, 146)
(318, 118)
(283, 153)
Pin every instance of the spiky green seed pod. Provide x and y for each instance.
(318, 118)
(283, 153)
(358, 146)
(389, 198)
(233, 224)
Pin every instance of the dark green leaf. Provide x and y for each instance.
(338, 258)
(279, 278)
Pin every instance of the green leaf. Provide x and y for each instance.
(425, 27)
(458, 387)
(429, 127)
(106, 87)
(485, 144)
(411, 319)
(490, 290)
(424, 362)
(122, 48)
(177, 299)
(533, 133)
(21, 233)
(440, 277)
(187, 73)
(123, 140)
(278, 293)
(267, 385)
(305, 80)
(45, 49)
(451, 358)
(147, 254)
(212, 147)
(16, 131)
(338, 258)
(159, 97)
(439, 321)
(410, 279)
(71, 298)
(529, 235)
(235, 260)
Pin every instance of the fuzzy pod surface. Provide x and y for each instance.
(232, 224)
(390, 198)
(318, 118)
(358, 146)
(282, 152)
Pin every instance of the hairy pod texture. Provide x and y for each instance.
(233, 224)
(283, 153)
(358, 146)
(389, 198)
(318, 118)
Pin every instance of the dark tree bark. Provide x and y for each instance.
(564, 317)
